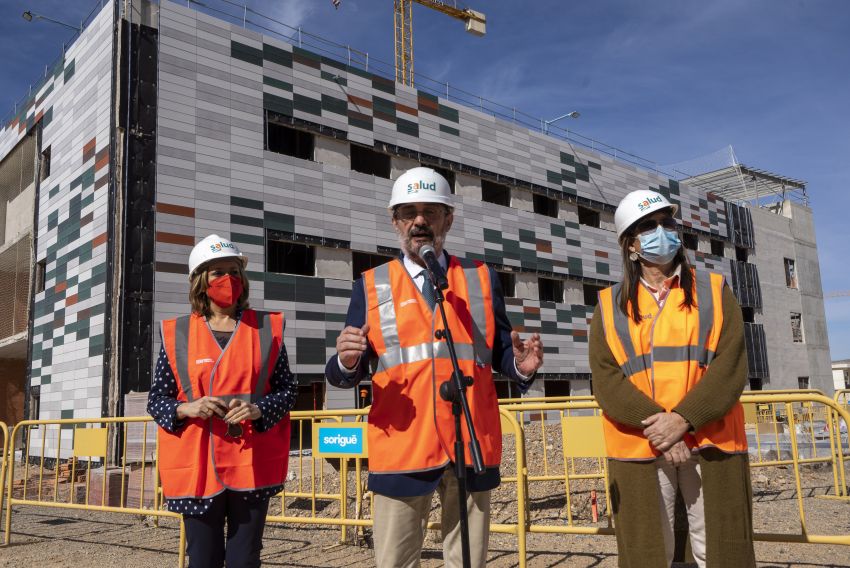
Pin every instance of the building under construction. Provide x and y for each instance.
(165, 123)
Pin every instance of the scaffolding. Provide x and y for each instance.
(722, 174)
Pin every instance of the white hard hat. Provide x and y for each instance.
(213, 247)
(421, 185)
(639, 204)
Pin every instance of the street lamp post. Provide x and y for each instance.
(30, 16)
(546, 123)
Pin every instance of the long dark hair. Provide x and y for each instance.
(631, 279)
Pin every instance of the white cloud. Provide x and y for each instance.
(290, 12)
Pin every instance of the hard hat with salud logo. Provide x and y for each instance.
(637, 205)
(421, 185)
(212, 248)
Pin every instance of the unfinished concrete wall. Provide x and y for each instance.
(332, 152)
(791, 235)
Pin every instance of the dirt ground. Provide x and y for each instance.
(58, 537)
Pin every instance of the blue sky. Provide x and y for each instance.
(669, 80)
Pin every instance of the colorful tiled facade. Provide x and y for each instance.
(217, 84)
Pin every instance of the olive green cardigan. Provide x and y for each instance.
(727, 493)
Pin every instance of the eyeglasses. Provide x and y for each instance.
(431, 214)
(648, 225)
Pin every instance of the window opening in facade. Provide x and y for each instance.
(796, 327)
(802, 382)
(591, 294)
(34, 406)
(368, 161)
(749, 314)
(588, 217)
(286, 257)
(741, 254)
(282, 139)
(545, 205)
(446, 173)
(508, 282)
(45, 164)
(363, 261)
(690, 241)
(550, 290)
(717, 248)
(493, 192)
(756, 384)
(790, 273)
(40, 270)
(556, 387)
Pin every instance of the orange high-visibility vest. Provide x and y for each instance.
(665, 356)
(410, 427)
(201, 460)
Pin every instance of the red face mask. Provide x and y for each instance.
(225, 290)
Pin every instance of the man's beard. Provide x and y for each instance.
(411, 248)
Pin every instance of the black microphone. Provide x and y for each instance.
(438, 275)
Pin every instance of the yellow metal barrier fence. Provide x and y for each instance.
(568, 475)
(64, 465)
(4, 460)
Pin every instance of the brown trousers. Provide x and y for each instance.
(728, 502)
(400, 522)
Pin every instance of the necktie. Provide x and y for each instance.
(428, 290)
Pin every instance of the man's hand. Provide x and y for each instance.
(665, 429)
(241, 410)
(351, 344)
(528, 354)
(678, 453)
(204, 407)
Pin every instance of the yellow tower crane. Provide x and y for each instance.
(476, 24)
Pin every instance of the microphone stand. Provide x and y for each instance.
(454, 391)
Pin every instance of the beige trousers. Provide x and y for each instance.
(400, 522)
(686, 479)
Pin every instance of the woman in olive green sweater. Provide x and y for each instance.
(715, 483)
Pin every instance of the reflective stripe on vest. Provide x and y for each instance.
(667, 354)
(410, 428)
(181, 332)
(397, 355)
(201, 458)
(676, 347)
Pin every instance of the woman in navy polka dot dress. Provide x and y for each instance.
(201, 431)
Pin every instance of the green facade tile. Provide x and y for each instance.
(603, 268)
(279, 287)
(279, 222)
(310, 351)
(553, 177)
(567, 158)
(360, 123)
(277, 55)
(492, 236)
(247, 239)
(449, 130)
(277, 83)
(334, 105)
(247, 203)
(69, 71)
(246, 53)
(306, 104)
(448, 113)
(527, 236)
(277, 104)
(311, 290)
(407, 127)
(336, 78)
(246, 221)
(557, 230)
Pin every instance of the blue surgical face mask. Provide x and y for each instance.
(660, 246)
